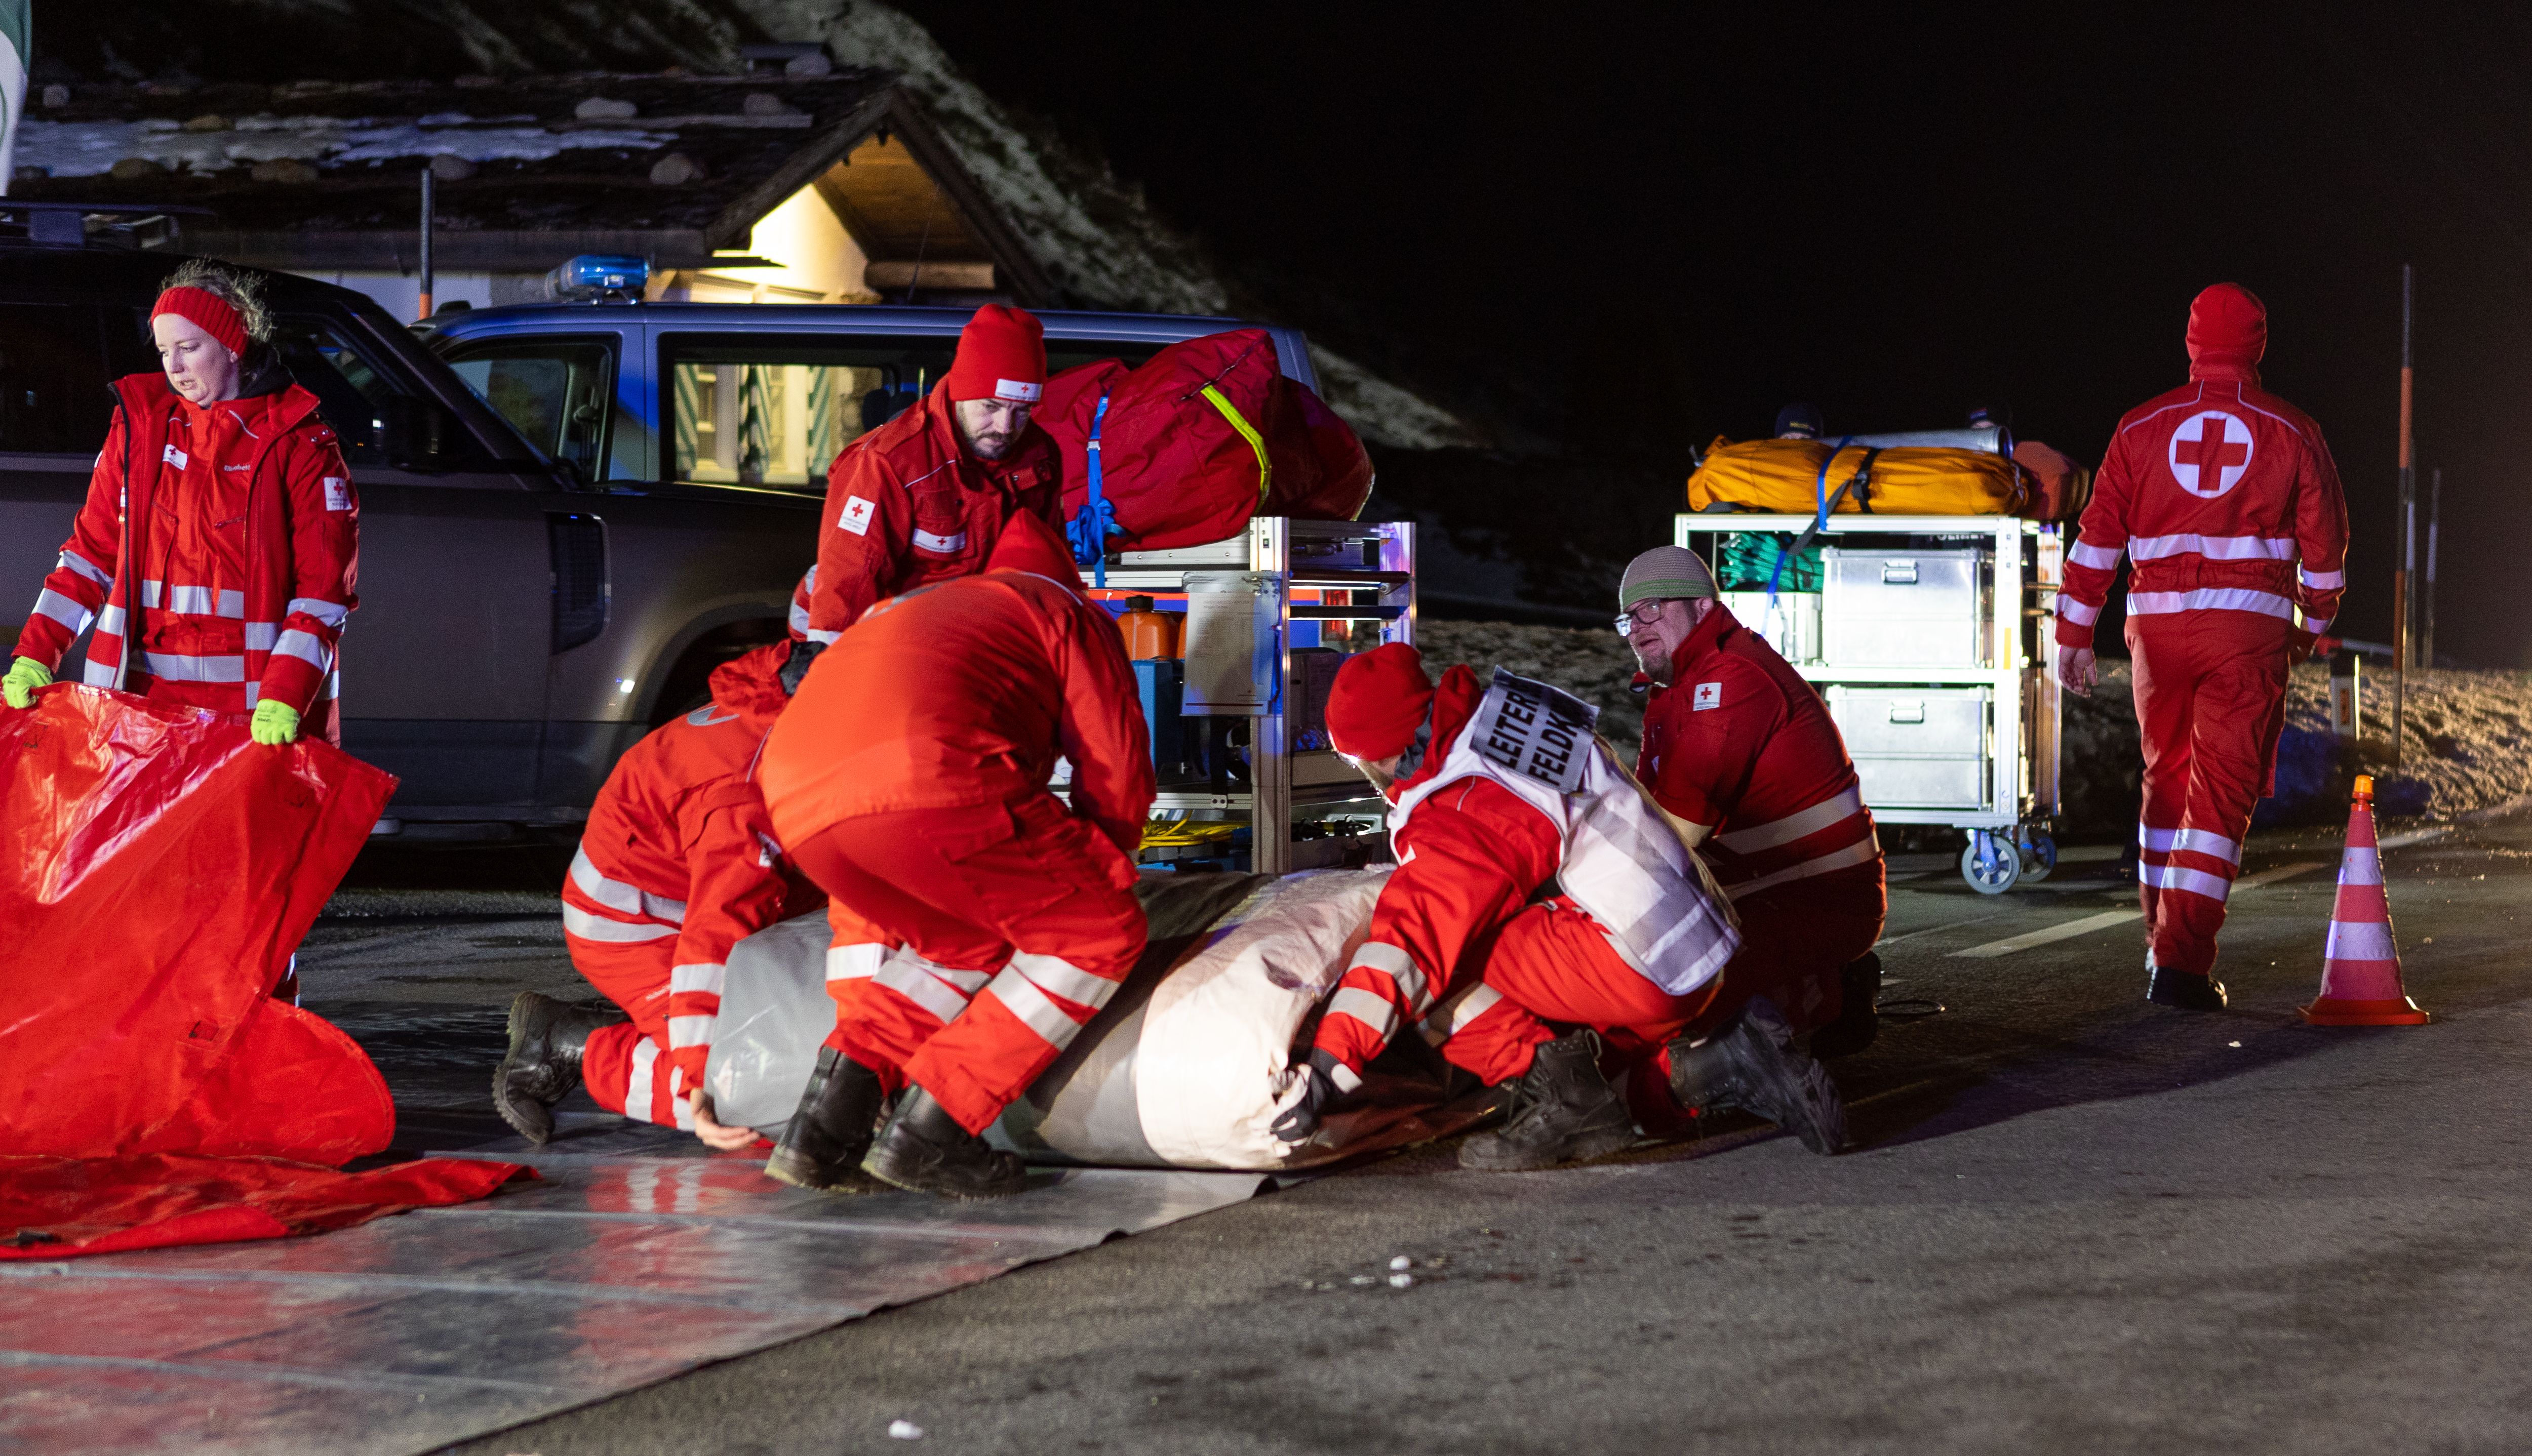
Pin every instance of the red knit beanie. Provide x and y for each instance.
(1002, 355)
(1379, 701)
(2228, 325)
(205, 310)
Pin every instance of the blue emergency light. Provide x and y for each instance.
(595, 277)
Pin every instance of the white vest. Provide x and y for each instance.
(1620, 858)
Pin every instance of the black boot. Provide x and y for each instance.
(2181, 988)
(924, 1149)
(1562, 1109)
(543, 1061)
(1859, 1019)
(1751, 1067)
(823, 1144)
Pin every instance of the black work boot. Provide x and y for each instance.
(1751, 1067)
(1562, 1109)
(542, 1065)
(926, 1150)
(1858, 1016)
(2179, 988)
(823, 1144)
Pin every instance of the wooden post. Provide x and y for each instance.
(2408, 531)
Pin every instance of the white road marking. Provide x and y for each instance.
(2108, 917)
(2415, 836)
(1931, 930)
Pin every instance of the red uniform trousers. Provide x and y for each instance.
(1553, 963)
(1022, 923)
(626, 1066)
(2210, 700)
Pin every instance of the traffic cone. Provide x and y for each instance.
(2360, 969)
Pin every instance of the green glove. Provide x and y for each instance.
(18, 686)
(274, 722)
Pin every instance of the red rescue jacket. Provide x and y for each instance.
(679, 848)
(2224, 497)
(243, 535)
(906, 504)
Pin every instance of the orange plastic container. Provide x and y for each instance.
(1150, 636)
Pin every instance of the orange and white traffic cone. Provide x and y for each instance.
(2360, 970)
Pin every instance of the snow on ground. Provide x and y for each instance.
(2466, 744)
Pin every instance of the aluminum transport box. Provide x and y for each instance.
(1931, 646)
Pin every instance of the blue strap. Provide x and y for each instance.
(1089, 531)
(1819, 522)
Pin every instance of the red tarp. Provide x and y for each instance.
(1179, 470)
(158, 866)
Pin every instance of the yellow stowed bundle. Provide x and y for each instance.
(1784, 475)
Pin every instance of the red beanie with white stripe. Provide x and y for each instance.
(1002, 355)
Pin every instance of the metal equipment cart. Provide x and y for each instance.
(1251, 690)
(1930, 640)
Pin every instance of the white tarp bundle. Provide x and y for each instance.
(1189, 1066)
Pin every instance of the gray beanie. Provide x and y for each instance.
(1662, 573)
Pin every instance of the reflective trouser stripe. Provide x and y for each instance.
(704, 976)
(689, 1031)
(855, 962)
(2190, 882)
(1400, 967)
(1458, 1011)
(923, 988)
(1060, 977)
(1029, 1005)
(639, 1091)
(2194, 841)
(590, 927)
(616, 895)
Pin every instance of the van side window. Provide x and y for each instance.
(53, 384)
(773, 410)
(557, 392)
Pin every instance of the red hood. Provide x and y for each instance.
(746, 684)
(1029, 545)
(2229, 332)
(1455, 703)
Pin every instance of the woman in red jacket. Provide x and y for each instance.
(219, 545)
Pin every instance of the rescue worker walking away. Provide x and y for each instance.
(908, 779)
(218, 549)
(1544, 927)
(1741, 752)
(2225, 500)
(924, 497)
(677, 864)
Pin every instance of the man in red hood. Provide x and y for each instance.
(2225, 500)
(924, 497)
(981, 923)
(677, 864)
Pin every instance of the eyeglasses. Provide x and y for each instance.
(1633, 617)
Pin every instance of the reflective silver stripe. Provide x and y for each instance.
(1060, 977)
(588, 926)
(1023, 1001)
(2360, 865)
(689, 1031)
(305, 646)
(678, 1107)
(922, 988)
(97, 674)
(2213, 547)
(2316, 625)
(637, 1093)
(178, 668)
(615, 894)
(2077, 612)
(855, 962)
(88, 568)
(195, 601)
(109, 620)
(1863, 852)
(329, 612)
(1797, 825)
(704, 978)
(943, 544)
(968, 981)
(825, 639)
(150, 594)
(2194, 882)
(2358, 940)
(2210, 599)
(2196, 841)
(1346, 1078)
(1458, 1011)
(1370, 1010)
(2322, 580)
(1400, 967)
(2098, 558)
(53, 604)
(261, 635)
(799, 618)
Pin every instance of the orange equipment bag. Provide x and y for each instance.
(1795, 476)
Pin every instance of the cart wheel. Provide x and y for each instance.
(2039, 856)
(1991, 864)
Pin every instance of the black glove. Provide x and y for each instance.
(796, 666)
(1302, 1122)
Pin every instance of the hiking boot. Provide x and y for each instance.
(926, 1150)
(1751, 1067)
(1562, 1109)
(542, 1066)
(2166, 987)
(1859, 1018)
(823, 1144)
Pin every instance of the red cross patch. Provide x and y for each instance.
(857, 515)
(2208, 453)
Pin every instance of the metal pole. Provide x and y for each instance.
(425, 312)
(2408, 523)
(2426, 594)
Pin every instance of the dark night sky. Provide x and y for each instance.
(1629, 229)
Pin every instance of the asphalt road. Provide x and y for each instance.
(2074, 1222)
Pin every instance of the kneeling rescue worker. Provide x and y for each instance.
(980, 924)
(1741, 752)
(677, 864)
(2225, 499)
(1545, 924)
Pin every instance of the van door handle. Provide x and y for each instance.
(577, 548)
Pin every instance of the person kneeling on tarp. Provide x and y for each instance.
(677, 864)
(909, 779)
(1498, 792)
